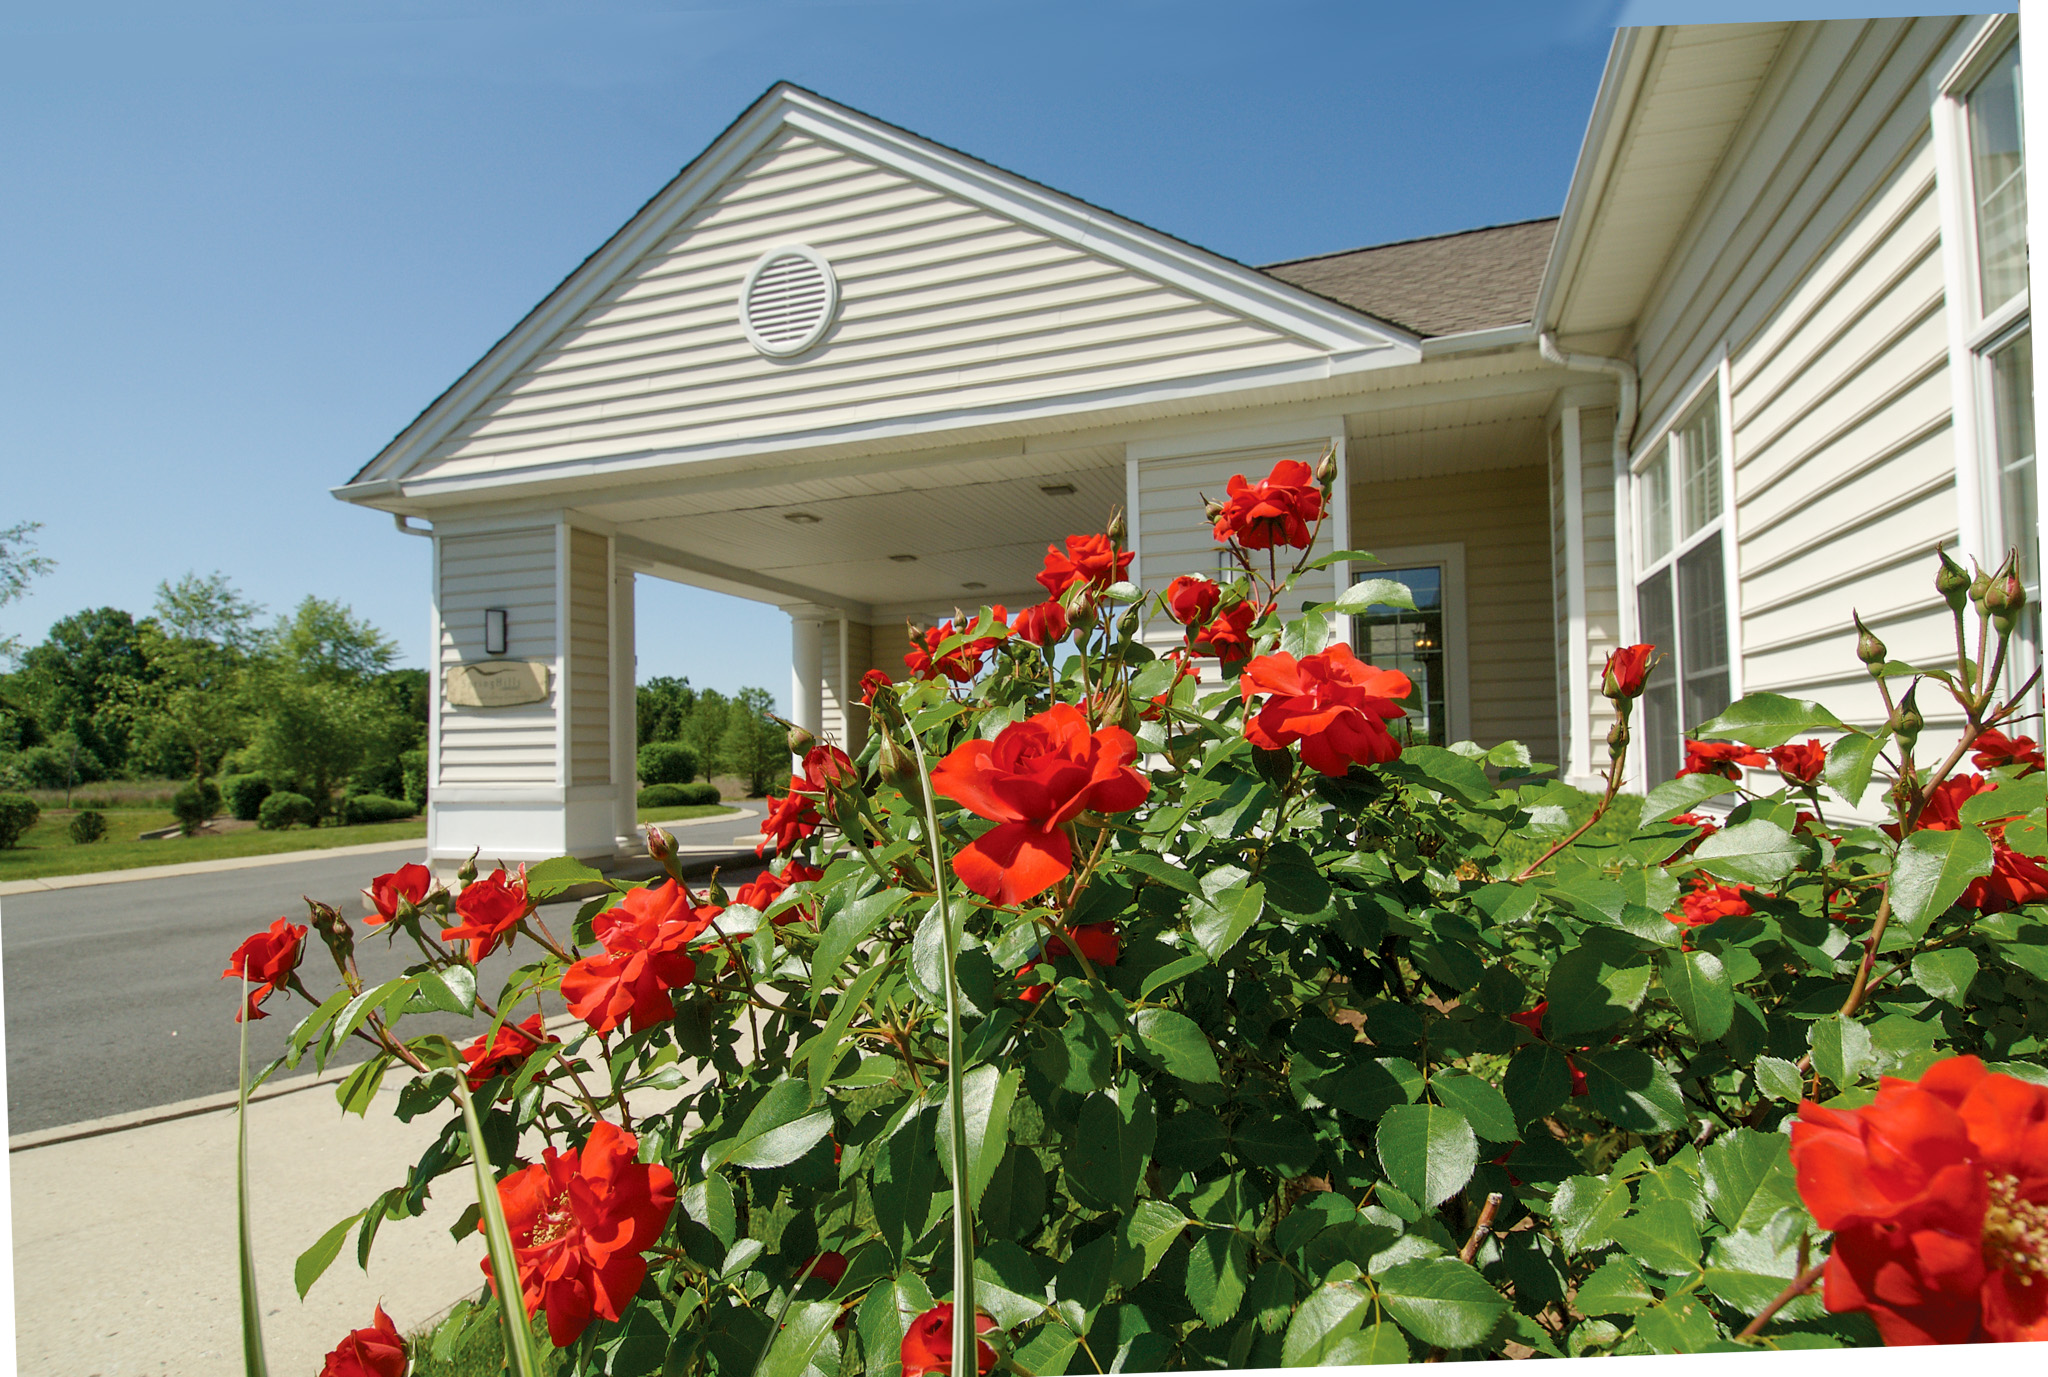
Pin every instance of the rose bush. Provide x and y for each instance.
(1165, 1020)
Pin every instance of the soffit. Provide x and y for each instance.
(1695, 87)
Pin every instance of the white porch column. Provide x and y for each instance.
(625, 710)
(1578, 750)
(807, 667)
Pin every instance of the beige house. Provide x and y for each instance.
(1773, 351)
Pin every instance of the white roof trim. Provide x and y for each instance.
(1620, 84)
(1345, 334)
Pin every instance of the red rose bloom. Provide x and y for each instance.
(1089, 559)
(1228, 636)
(267, 960)
(505, 1053)
(490, 909)
(1333, 703)
(1937, 1193)
(1994, 748)
(580, 1221)
(1720, 758)
(373, 1352)
(1710, 903)
(871, 683)
(1191, 600)
(825, 768)
(646, 942)
(1626, 670)
(1041, 624)
(962, 662)
(1282, 510)
(928, 1345)
(1099, 942)
(761, 892)
(1037, 776)
(826, 1267)
(1801, 764)
(2015, 880)
(408, 882)
(790, 819)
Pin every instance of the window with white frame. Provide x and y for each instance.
(1681, 583)
(1984, 114)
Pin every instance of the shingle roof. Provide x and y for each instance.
(1442, 285)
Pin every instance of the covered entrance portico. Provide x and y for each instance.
(864, 380)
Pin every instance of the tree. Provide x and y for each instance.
(327, 641)
(662, 706)
(315, 734)
(703, 731)
(207, 609)
(193, 708)
(85, 678)
(19, 563)
(754, 747)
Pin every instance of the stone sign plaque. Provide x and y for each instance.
(498, 683)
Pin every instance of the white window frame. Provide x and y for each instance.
(1973, 335)
(1448, 556)
(1710, 386)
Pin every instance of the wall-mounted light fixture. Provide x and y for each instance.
(494, 631)
(801, 518)
(903, 559)
(1057, 489)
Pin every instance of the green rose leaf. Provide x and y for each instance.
(805, 1324)
(1331, 1311)
(1176, 1040)
(1932, 871)
(986, 1094)
(1769, 719)
(1748, 1177)
(845, 930)
(1615, 1288)
(1587, 993)
(1428, 1151)
(1539, 1079)
(1700, 990)
(557, 876)
(1755, 852)
(1219, 1266)
(1280, 1144)
(1945, 973)
(782, 1128)
(321, 1255)
(1441, 1301)
(1369, 593)
(1484, 1107)
(1662, 1236)
(1221, 920)
(1632, 1089)
(1447, 770)
(1117, 1131)
(1850, 762)
(1682, 795)
(1842, 1050)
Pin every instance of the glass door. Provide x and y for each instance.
(1412, 642)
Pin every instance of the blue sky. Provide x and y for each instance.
(246, 243)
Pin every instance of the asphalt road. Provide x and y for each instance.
(114, 996)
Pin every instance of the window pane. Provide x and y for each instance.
(1412, 642)
(1703, 631)
(1655, 487)
(1700, 442)
(1657, 733)
(2012, 401)
(1998, 181)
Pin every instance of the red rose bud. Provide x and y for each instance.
(1042, 625)
(1191, 599)
(826, 768)
(266, 961)
(1117, 527)
(1980, 584)
(398, 894)
(660, 845)
(2008, 596)
(1908, 722)
(467, 871)
(1212, 511)
(1127, 625)
(1326, 468)
(827, 1267)
(374, 1351)
(928, 1343)
(1626, 669)
(872, 683)
(1801, 764)
(1869, 649)
(800, 741)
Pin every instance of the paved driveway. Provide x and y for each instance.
(114, 1001)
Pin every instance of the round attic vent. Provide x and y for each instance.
(788, 301)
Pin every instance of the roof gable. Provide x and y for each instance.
(966, 294)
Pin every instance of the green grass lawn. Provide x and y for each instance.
(674, 814)
(47, 849)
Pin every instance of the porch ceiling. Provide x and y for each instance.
(969, 523)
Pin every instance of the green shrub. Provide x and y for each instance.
(678, 795)
(48, 767)
(285, 809)
(195, 803)
(361, 808)
(245, 794)
(698, 794)
(89, 827)
(667, 762)
(18, 813)
(413, 767)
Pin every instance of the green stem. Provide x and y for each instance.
(254, 1363)
(519, 1350)
(964, 1313)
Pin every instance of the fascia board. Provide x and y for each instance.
(1628, 63)
(1351, 339)
(1246, 291)
(616, 466)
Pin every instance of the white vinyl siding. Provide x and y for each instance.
(844, 720)
(1814, 261)
(514, 570)
(945, 307)
(590, 680)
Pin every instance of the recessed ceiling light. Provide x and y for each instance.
(903, 559)
(800, 518)
(974, 587)
(1057, 489)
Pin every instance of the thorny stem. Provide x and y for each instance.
(1794, 1289)
(1481, 1229)
(1614, 772)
